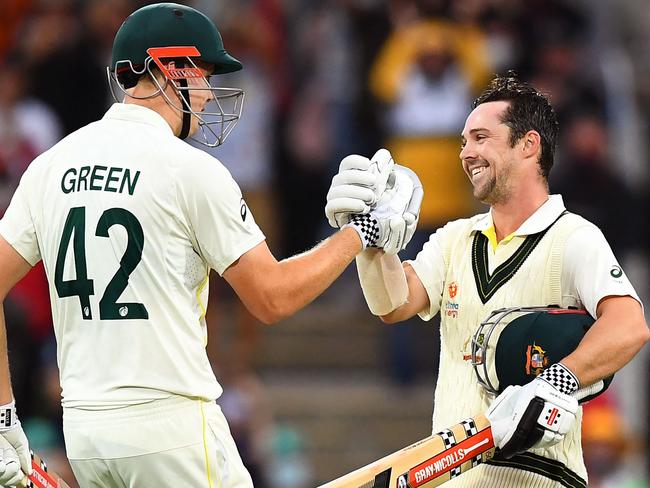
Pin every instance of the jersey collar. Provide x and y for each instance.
(540, 220)
(137, 113)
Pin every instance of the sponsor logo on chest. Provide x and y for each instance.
(452, 307)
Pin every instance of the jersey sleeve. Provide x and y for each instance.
(17, 225)
(220, 223)
(429, 265)
(591, 268)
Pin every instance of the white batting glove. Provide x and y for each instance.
(402, 227)
(357, 186)
(390, 225)
(538, 414)
(15, 459)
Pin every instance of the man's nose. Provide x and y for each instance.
(467, 152)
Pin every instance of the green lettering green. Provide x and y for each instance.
(95, 176)
(83, 175)
(130, 183)
(110, 178)
(67, 183)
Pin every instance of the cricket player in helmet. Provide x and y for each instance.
(167, 43)
(129, 221)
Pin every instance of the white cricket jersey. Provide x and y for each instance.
(128, 221)
(554, 258)
(590, 271)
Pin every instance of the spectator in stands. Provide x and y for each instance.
(27, 128)
(61, 57)
(591, 184)
(425, 76)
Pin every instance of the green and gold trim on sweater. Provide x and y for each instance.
(549, 468)
(488, 284)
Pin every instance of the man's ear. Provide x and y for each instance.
(532, 143)
(158, 75)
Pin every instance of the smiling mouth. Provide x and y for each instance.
(477, 171)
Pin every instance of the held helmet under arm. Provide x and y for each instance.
(514, 345)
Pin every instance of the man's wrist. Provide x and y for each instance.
(367, 227)
(561, 377)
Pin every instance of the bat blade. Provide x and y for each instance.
(41, 477)
(429, 462)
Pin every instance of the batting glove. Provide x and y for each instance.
(15, 459)
(391, 224)
(538, 414)
(403, 227)
(357, 186)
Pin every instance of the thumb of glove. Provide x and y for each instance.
(10, 472)
(381, 164)
(396, 230)
(18, 440)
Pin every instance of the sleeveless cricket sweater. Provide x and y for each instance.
(524, 271)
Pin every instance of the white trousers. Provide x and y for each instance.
(162, 444)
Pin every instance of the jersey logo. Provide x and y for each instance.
(243, 210)
(453, 289)
(452, 309)
(616, 272)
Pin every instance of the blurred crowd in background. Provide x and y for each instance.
(326, 78)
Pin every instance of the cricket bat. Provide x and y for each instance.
(429, 462)
(41, 477)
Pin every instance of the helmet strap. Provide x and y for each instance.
(185, 100)
(185, 96)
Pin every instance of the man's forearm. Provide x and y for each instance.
(614, 339)
(304, 277)
(273, 290)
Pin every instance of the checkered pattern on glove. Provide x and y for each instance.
(367, 227)
(561, 378)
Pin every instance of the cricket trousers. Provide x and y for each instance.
(161, 444)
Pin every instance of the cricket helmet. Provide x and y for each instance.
(514, 345)
(173, 37)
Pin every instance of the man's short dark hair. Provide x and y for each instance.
(528, 110)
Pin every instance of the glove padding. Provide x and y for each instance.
(402, 227)
(357, 186)
(534, 415)
(10, 471)
(15, 458)
(391, 224)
